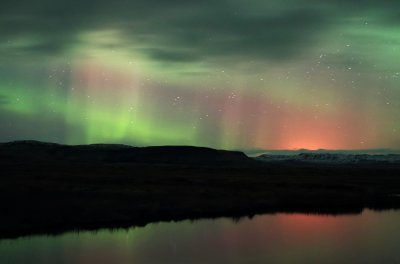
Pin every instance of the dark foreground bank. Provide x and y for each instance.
(54, 188)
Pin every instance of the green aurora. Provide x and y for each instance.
(225, 73)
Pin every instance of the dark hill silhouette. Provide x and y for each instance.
(50, 188)
(51, 152)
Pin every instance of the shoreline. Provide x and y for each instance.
(51, 198)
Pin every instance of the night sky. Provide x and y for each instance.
(233, 74)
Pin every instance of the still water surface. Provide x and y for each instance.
(371, 237)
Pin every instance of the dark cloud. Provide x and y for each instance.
(171, 55)
(4, 100)
(183, 31)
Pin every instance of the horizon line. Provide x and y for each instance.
(245, 150)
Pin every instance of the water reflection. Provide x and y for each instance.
(371, 237)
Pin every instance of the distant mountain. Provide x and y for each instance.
(331, 158)
(51, 152)
(381, 151)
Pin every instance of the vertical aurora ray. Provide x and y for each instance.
(237, 76)
(127, 111)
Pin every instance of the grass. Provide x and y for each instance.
(37, 197)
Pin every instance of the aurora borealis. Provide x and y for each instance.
(277, 74)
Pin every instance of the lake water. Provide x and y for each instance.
(371, 237)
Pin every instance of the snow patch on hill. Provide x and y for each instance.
(331, 158)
